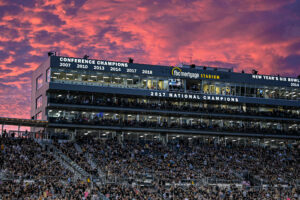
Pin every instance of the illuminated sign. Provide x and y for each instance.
(194, 96)
(176, 71)
(92, 62)
(68, 63)
(294, 81)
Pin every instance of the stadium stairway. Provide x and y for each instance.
(78, 148)
(65, 161)
(46, 144)
(92, 162)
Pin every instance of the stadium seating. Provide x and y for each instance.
(180, 169)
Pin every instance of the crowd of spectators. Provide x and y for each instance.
(198, 193)
(151, 169)
(171, 105)
(47, 190)
(69, 150)
(30, 171)
(182, 160)
(26, 159)
(179, 169)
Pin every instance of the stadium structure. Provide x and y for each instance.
(87, 96)
(121, 130)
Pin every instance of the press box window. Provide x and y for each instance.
(39, 82)
(39, 102)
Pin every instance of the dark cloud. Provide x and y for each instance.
(25, 3)
(50, 19)
(294, 47)
(3, 54)
(220, 64)
(76, 5)
(9, 33)
(292, 62)
(45, 37)
(9, 10)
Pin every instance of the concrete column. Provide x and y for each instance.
(167, 138)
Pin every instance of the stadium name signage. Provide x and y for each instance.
(193, 96)
(176, 71)
(92, 62)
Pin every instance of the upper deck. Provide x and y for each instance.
(197, 83)
(170, 72)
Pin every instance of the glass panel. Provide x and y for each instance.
(48, 75)
(39, 102)
(39, 82)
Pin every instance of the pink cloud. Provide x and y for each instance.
(245, 35)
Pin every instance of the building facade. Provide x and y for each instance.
(97, 96)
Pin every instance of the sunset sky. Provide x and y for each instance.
(244, 35)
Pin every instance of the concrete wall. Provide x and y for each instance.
(41, 70)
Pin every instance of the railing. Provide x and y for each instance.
(78, 148)
(83, 173)
(94, 164)
(57, 156)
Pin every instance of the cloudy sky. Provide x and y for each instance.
(245, 35)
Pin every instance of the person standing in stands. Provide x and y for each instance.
(4, 133)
